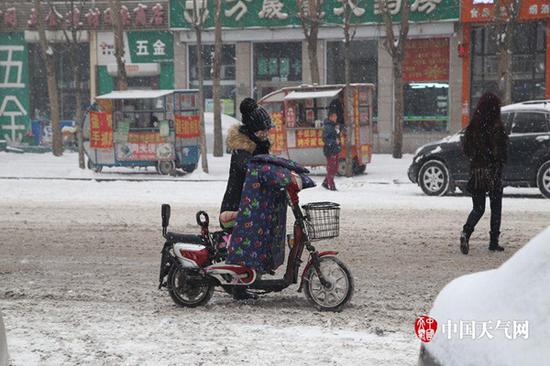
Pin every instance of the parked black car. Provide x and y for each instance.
(440, 167)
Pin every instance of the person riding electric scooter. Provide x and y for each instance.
(245, 141)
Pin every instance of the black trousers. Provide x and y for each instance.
(478, 198)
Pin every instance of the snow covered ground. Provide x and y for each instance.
(79, 267)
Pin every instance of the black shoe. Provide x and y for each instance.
(493, 244)
(325, 185)
(464, 243)
(332, 189)
(240, 293)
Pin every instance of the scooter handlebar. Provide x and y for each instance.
(202, 219)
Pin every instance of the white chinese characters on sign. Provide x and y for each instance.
(356, 10)
(11, 107)
(142, 48)
(160, 48)
(190, 13)
(240, 8)
(392, 6)
(10, 65)
(272, 9)
(425, 6)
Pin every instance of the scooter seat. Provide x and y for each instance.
(184, 238)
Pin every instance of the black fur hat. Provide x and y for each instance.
(254, 117)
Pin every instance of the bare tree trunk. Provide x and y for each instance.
(49, 59)
(396, 49)
(311, 19)
(397, 151)
(312, 54)
(218, 137)
(77, 68)
(204, 159)
(505, 24)
(122, 79)
(349, 113)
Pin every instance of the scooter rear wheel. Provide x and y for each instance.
(340, 290)
(186, 291)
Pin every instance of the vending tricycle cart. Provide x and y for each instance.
(139, 128)
(298, 114)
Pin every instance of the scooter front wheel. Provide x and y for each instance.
(187, 290)
(339, 289)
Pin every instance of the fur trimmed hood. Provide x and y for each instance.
(236, 140)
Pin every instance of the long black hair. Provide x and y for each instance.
(485, 135)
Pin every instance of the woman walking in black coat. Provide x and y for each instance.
(485, 143)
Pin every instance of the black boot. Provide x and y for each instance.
(493, 244)
(465, 239)
(240, 293)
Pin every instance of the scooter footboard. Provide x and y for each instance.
(310, 263)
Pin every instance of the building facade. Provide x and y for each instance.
(450, 57)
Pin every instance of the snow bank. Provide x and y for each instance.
(517, 291)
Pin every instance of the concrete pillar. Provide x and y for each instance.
(382, 142)
(455, 83)
(180, 63)
(243, 72)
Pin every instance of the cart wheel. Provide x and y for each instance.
(166, 167)
(93, 167)
(340, 285)
(189, 168)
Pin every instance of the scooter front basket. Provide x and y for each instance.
(322, 220)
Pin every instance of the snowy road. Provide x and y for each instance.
(79, 262)
(79, 286)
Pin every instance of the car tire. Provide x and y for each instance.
(433, 178)
(543, 179)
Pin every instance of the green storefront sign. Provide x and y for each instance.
(285, 13)
(14, 87)
(150, 47)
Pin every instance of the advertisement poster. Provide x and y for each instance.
(101, 130)
(187, 126)
(145, 151)
(309, 137)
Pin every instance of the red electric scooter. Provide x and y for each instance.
(192, 265)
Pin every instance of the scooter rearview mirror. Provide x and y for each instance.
(165, 213)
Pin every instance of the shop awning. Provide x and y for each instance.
(135, 94)
(313, 94)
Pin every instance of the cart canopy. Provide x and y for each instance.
(331, 93)
(135, 94)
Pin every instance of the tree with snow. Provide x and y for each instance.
(395, 46)
(48, 56)
(311, 17)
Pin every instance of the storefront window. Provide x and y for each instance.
(528, 62)
(227, 76)
(364, 64)
(278, 61)
(426, 89)
(426, 106)
(65, 81)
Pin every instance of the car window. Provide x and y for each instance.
(529, 122)
(506, 121)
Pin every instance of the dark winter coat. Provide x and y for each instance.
(486, 148)
(242, 150)
(337, 106)
(258, 238)
(330, 139)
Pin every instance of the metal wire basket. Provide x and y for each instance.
(322, 220)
